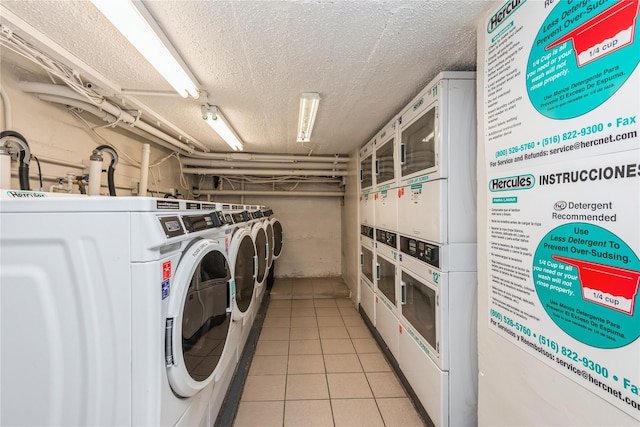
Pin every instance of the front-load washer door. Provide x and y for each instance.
(242, 255)
(198, 317)
(269, 230)
(260, 240)
(278, 238)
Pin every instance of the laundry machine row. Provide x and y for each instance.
(417, 213)
(122, 311)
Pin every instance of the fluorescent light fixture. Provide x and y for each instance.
(309, 102)
(218, 123)
(130, 20)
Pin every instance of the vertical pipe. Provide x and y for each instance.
(5, 170)
(144, 170)
(95, 176)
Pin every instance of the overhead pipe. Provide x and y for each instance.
(264, 172)
(270, 193)
(66, 92)
(270, 157)
(90, 108)
(189, 161)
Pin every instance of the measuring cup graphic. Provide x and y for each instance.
(612, 287)
(603, 34)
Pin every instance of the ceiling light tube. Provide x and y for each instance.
(309, 102)
(130, 21)
(218, 123)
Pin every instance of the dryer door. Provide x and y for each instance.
(278, 238)
(198, 317)
(242, 255)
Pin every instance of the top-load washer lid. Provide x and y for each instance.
(278, 238)
(198, 317)
(260, 239)
(242, 256)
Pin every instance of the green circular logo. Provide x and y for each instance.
(581, 56)
(587, 281)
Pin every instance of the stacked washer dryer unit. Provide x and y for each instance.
(431, 330)
(128, 320)
(366, 209)
(386, 235)
(437, 225)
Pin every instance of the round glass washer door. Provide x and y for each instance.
(269, 231)
(242, 256)
(278, 237)
(198, 317)
(260, 239)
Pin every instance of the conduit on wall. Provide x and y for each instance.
(271, 193)
(271, 157)
(264, 172)
(58, 162)
(263, 165)
(72, 97)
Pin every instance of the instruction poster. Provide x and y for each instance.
(561, 105)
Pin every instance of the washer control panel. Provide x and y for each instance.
(195, 223)
(171, 226)
(239, 217)
(423, 251)
(387, 237)
(365, 230)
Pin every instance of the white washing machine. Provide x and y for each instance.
(259, 235)
(437, 345)
(244, 260)
(367, 272)
(386, 288)
(437, 161)
(114, 311)
(278, 237)
(366, 166)
(386, 178)
(275, 240)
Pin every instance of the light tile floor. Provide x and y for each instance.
(316, 364)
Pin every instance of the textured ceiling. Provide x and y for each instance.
(367, 59)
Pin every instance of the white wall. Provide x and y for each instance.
(53, 133)
(514, 387)
(351, 228)
(312, 233)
